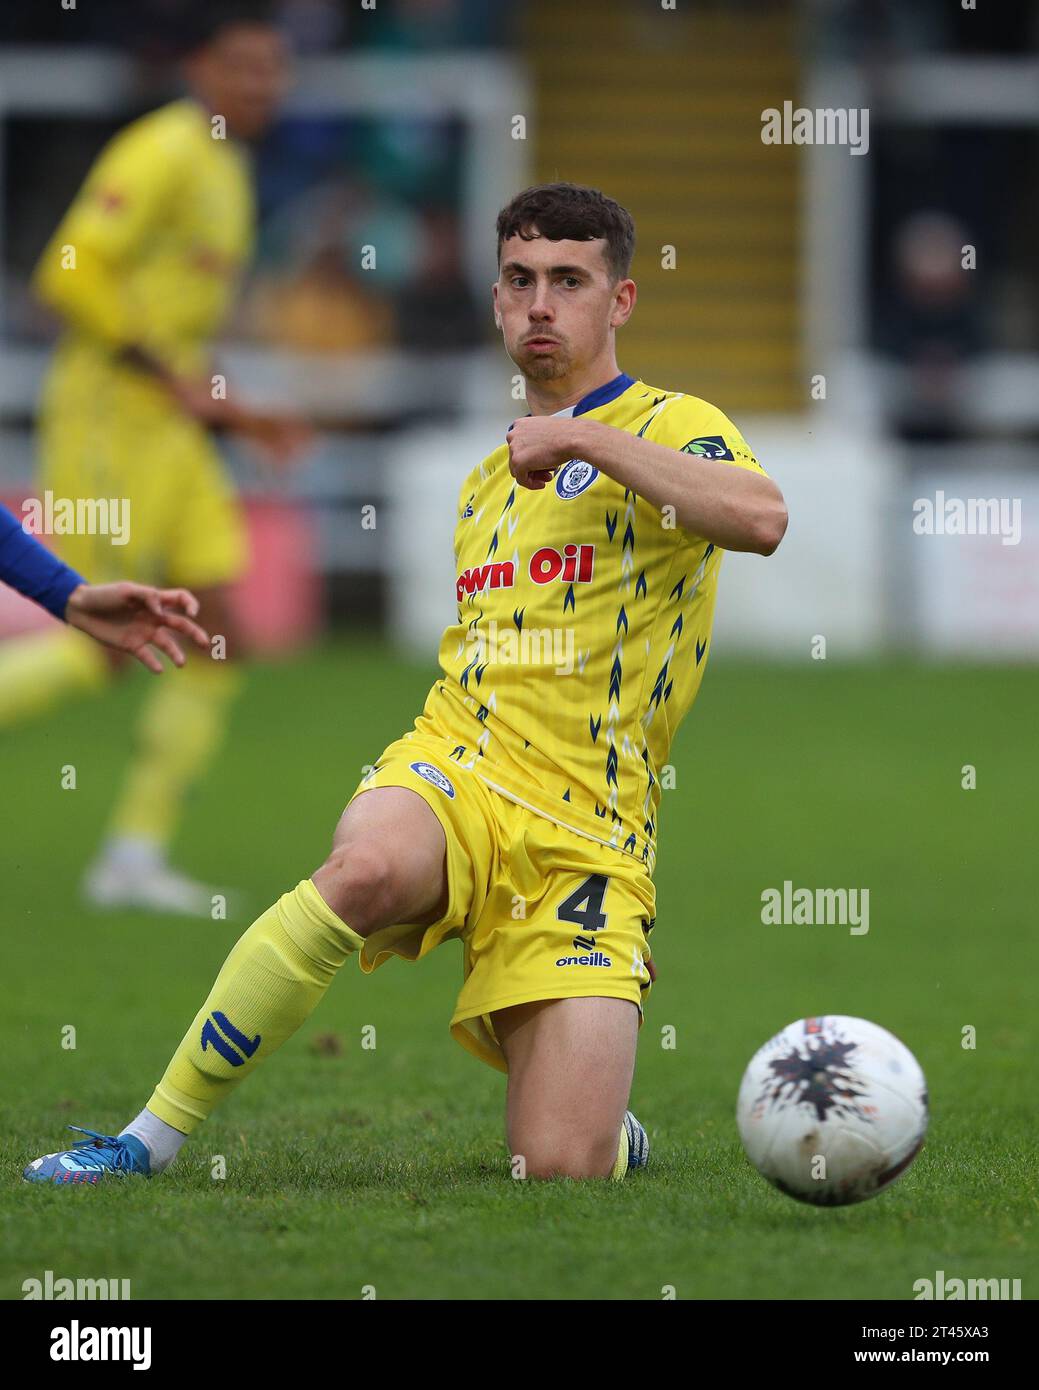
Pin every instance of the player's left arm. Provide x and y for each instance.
(728, 499)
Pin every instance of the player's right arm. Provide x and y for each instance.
(82, 274)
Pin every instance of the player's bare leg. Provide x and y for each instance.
(387, 865)
(563, 1116)
(179, 730)
(388, 862)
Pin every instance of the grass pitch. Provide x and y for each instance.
(349, 1169)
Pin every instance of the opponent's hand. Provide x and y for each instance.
(538, 445)
(135, 617)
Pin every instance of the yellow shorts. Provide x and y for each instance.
(184, 524)
(542, 912)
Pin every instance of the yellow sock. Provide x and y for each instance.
(620, 1168)
(38, 670)
(271, 981)
(180, 728)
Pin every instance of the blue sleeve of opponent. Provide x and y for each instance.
(30, 568)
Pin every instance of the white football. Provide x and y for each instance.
(832, 1110)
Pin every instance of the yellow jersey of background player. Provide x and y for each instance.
(142, 270)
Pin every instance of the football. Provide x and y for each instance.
(832, 1110)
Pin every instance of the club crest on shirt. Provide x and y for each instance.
(434, 775)
(574, 477)
(709, 446)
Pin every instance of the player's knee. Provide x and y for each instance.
(360, 884)
(567, 1155)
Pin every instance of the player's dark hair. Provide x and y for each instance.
(570, 212)
(206, 20)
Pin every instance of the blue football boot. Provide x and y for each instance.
(91, 1159)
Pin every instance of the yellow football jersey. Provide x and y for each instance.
(149, 254)
(152, 247)
(584, 623)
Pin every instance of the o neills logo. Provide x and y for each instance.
(598, 958)
(572, 565)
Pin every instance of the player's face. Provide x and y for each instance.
(242, 75)
(557, 304)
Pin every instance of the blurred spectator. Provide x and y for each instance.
(412, 157)
(878, 31)
(436, 308)
(312, 25)
(932, 324)
(154, 27)
(319, 298)
(318, 307)
(436, 24)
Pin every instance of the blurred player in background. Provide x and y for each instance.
(142, 271)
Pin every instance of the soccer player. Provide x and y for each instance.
(127, 617)
(520, 812)
(142, 270)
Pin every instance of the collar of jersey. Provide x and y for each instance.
(602, 395)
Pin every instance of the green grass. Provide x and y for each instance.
(389, 1168)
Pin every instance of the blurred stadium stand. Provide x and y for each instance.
(656, 111)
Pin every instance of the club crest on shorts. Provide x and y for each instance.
(434, 775)
(574, 477)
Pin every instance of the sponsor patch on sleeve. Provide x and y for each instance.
(709, 446)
